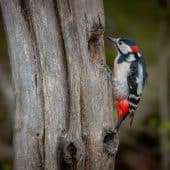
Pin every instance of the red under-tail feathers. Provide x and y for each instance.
(122, 107)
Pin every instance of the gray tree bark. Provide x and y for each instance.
(63, 97)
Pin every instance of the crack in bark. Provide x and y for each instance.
(84, 128)
(72, 150)
(37, 61)
(69, 6)
(64, 61)
(25, 14)
(40, 153)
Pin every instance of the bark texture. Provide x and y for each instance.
(63, 96)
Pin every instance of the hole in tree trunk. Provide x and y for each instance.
(110, 142)
(94, 43)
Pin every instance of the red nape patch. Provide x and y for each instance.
(122, 107)
(135, 48)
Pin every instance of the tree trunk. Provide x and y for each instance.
(164, 59)
(63, 97)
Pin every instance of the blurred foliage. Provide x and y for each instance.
(153, 122)
(6, 167)
(2, 115)
(164, 129)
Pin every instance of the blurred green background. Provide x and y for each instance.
(146, 145)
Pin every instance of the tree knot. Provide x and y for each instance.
(110, 141)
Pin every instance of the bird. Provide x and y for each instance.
(129, 78)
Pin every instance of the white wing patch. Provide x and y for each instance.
(139, 55)
(139, 79)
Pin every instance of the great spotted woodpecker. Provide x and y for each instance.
(129, 77)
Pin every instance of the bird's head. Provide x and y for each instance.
(124, 45)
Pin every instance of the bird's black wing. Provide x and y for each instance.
(136, 80)
(145, 73)
(132, 78)
(133, 97)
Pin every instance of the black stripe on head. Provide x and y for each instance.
(128, 41)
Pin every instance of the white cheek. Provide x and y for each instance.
(125, 49)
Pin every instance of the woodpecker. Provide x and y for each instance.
(129, 78)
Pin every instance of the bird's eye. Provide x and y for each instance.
(120, 43)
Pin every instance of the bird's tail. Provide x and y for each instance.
(119, 122)
(131, 119)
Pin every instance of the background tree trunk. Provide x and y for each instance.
(63, 97)
(164, 70)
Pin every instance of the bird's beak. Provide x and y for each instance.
(113, 40)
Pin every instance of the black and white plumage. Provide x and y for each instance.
(129, 75)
